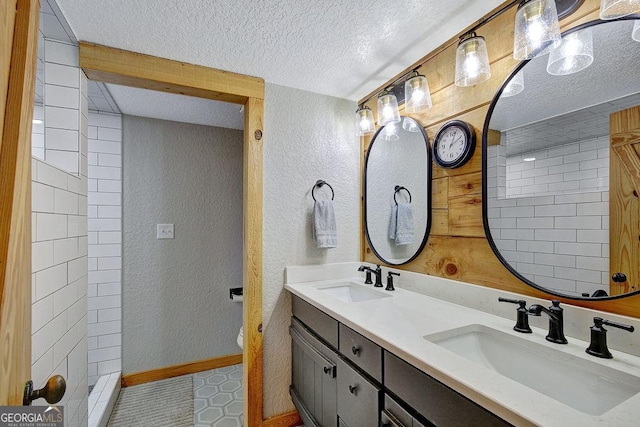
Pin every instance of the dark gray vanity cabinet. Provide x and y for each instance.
(313, 377)
(358, 398)
(394, 415)
(433, 400)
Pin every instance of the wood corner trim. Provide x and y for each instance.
(181, 369)
(290, 419)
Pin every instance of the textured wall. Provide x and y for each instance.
(176, 305)
(307, 137)
(105, 245)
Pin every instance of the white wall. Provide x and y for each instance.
(59, 265)
(176, 306)
(307, 137)
(105, 245)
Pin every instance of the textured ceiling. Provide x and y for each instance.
(147, 103)
(332, 47)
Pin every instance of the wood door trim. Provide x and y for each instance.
(290, 419)
(15, 203)
(104, 63)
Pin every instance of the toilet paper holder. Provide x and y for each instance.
(235, 294)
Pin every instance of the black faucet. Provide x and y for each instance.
(390, 281)
(522, 319)
(598, 345)
(367, 280)
(556, 321)
(377, 272)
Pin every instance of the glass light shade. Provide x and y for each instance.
(388, 109)
(364, 121)
(536, 29)
(410, 125)
(515, 85)
(417, 96)
(612, 9)
(574, 54)
(636, 31)
(472, 61)
(390, 132)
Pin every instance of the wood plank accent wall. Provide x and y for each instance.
(457, 247)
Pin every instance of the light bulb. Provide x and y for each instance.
(416, 94)
(536, 29)
(390, 132)
(472, 61)
(410, 125)
(364, 121)
(388, 109)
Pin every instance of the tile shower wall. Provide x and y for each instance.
(105, 244)
(560, 239)
(62, 122)
(59, 280)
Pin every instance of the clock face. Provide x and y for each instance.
(454, 144)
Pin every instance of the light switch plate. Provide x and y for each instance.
(164, 231)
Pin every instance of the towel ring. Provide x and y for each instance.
(319, 184)
(399, 188)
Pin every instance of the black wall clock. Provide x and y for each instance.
(454, 144)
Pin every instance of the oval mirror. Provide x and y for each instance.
(547, 154)
(397, 192)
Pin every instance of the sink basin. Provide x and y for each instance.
(351, 292)
(581, 384)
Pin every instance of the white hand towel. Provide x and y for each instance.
(393, 222)
(404, 224)
(324, 224)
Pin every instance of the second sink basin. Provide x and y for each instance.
(352, 292)
(589, 387)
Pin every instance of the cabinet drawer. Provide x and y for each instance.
(393, 415)
(436, 402)
(325, 326)
(358, 399)
(361, 351)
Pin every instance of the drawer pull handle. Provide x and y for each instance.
(353, 389)
(355, 350)
(326, 369)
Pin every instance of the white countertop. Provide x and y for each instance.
(398, 324)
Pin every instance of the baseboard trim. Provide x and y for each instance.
(182, 369)
(290, 419)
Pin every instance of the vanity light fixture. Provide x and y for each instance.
(364, 121)
(417, 97)
(390, 132)
(387, 108)
(574, 54)
(636, 31)
(515, 85)
(472, 60)
(612, 9)
(536, 29)
(410, 125)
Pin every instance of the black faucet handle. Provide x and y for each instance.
(378, 273)
(368, 270)
(598, 345)
(390, 281)
(598, 321)
(522, 315)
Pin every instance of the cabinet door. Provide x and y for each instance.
(358, 399)
(313, 373)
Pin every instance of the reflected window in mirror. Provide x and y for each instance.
(397, 193)
(548, 183)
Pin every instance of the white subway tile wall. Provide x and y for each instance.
(552, 226)
(59, 235)
(105, 244)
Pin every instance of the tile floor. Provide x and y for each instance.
(217, 397)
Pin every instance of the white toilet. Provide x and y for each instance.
(240, 336)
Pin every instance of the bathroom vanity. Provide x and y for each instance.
(363, 356)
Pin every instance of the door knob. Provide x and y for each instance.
(52, 392)
(619, 277)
